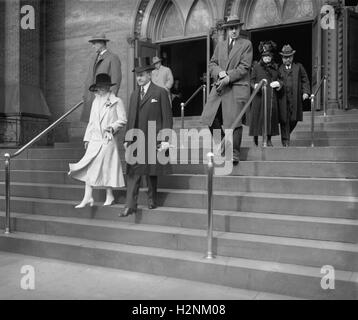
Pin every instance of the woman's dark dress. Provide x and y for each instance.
(269, 72)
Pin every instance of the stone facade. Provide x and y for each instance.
(54, 58)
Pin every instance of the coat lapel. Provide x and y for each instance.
(147, 96)
(113, 99)
(103, 56)
(233, 52)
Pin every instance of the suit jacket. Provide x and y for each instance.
(108, 63)
(154, 107)
(234, 97)
(301, 85)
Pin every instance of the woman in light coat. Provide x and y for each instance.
(101, 164)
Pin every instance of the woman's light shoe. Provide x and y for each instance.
(109, 203)
(83, 204)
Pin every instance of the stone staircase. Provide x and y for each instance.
(280, 217)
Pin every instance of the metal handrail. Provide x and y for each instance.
(313, 106)
(184, 104)
(8, 158)
(262, 85)
(210, 254)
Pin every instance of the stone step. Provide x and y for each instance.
(321, 206)
(336, 154)
(300, 227)
(329, 187)
(311, 253)
(307, 169)
(273, 277)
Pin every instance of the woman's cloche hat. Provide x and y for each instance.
(267, 48)
(102, 80)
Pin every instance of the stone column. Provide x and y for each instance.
(24, 112)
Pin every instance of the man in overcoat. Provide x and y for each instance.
(230, 68)
(296, 89)
(149, 111)
(104, 61)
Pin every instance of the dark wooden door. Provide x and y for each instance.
(350, 53)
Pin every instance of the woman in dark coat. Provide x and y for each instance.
(265, 69)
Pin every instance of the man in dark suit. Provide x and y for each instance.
(230, 68)
(149, 111)
(103, 61)
(296, 89)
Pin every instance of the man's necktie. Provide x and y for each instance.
(142, 93)
(231, 45)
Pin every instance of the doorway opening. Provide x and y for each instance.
(299, 36)
(187, 60)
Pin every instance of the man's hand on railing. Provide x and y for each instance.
(305, 96)
(86, 145)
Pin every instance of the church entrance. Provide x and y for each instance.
(188, 62)
(299, 36)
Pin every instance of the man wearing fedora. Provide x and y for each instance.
(162, 76)
(149, 104)
(103, 61)
(296, 89)
(230, 68)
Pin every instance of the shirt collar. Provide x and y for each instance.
(146, 86)
(102, 52)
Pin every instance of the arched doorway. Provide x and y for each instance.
(288, 22)
(178, 31)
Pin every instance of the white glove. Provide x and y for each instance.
(108, 137)
(305, 96)
(275, 84)
(222, 74)
(256, 85)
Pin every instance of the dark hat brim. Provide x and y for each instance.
(232, 24)
(94, 86)
(287, 54)
(144, 68)
(99, 39)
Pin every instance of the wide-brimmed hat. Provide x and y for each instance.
(101, 37)
(287, 51)
(232, 21)
(267, 48)
(102, 80)
(143, 64)
(156, 60)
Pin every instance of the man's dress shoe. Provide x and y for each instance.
(152, 206)
(127, 212)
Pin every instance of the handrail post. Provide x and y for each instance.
(264, 92)
(182, 105)
(7, 193)
(325, 96)
(204, 95)
(210, 255)
(312, 119)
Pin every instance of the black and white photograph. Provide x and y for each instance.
(179, 155)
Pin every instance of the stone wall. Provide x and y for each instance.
(68, 27)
